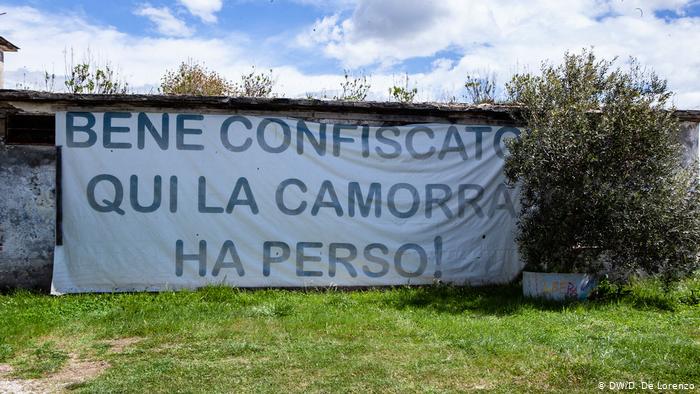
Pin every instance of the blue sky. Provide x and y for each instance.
(256, 18)
(308, 43)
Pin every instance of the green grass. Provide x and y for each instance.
(403, 339)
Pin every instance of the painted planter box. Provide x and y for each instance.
(558, 287)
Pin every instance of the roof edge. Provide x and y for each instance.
(7, 46)
(511, 112)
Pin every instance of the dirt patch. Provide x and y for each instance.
(5, 369)
(75, 372)
(78, 371)
(22, 387)
(480, 385)
(118, 345)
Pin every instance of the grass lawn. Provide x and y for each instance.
(404, 339)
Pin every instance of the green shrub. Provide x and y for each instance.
(603, 190)
(401, 92)
(481, 89)
(89, 77)
(193, 78)
(354, 88)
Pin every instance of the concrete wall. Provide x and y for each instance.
(690, 134)
(27, 215)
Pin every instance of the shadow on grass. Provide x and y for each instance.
(486, 300)
(508, 298)
(498, 300)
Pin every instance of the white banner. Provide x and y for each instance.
(155, 201)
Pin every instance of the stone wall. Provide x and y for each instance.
(27, 215)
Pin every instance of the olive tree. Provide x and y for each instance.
(603, 187)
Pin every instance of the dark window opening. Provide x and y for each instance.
(30, 129)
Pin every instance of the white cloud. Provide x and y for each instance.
(203, 9)
(323, 30)
(44, 39)
(166, 23)
(332, 5)
(502, 36)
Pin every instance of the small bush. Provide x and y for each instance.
(603, 190)
(89, 77)
(354, 88)
(402, 93)
(481, 89)
(255, 84)
(192, 78)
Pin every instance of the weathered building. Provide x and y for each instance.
(5, 46)
(28, 174)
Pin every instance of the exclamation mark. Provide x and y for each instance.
(438, 257)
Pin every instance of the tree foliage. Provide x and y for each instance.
(603, 189)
